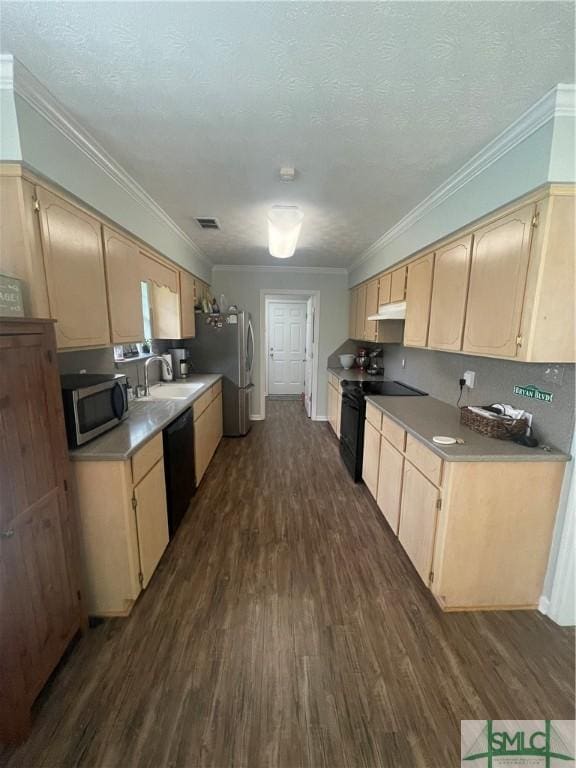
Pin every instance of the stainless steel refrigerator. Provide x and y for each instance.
(228, 350)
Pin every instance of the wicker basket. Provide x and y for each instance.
(501, 427)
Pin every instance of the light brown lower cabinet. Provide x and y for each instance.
(418, 520)
(371, 457)
(389, 492)
(123, 526)
(334, 405)
(207, 428)
(477, 532)
(40, 599)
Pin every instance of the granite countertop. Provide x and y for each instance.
(426, 417)
(146, 417)
(355, 374)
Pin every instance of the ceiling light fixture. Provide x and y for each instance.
(284, 225)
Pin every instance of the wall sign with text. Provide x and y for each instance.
(533, 393)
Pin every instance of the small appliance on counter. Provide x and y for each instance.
(168, 370)
(346, 361)
(363, 360)
(93, 404)
(180, 363)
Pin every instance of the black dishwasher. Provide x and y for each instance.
(178, 439)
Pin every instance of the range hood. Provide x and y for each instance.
(395, 311)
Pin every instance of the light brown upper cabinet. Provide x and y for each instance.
(449, 293)
(370, 326)
(497, 282)
(163, 295)
(74, 264)
(384, 289)
(122, 259)
(360, 311)
(418, 293)
(187, 302)
(398, 285)
(548, 327)
(353, 298)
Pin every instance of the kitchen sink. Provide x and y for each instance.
(174, 391)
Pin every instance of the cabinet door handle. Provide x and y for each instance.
(7, 534)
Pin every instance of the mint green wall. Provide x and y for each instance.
(50, 153)
(9, 135)
(520, 170)
(243, 288)
(563, 154)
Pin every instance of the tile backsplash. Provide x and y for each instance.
(438, 372)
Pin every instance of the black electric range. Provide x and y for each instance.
(353, 414)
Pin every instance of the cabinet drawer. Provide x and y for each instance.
(144, 460)
(393, 433)
(373, 415)
(423, 458)
(216, 389)
(200, 405)
(334, 380)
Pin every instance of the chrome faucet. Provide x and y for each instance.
(150, 360)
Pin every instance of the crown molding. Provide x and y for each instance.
(560, 101)
(279, 268)
(31, 90)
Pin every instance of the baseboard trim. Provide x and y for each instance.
(544, 605)
(257, 417)
(319, 418)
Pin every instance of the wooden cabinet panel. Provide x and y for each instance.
(164, 312)
(331, 407)
(418, 520)
(497, 282)
(449, 294)
(371, 458)
(429, 463)
(144, 459)
(74, 264)
(371, 326)
(353, 296)
(384, 289)
(393, 432)
(360, 311)
(374, 416)
(418, 292)
(151, 520)
(398, 285)
(207, 435)
(39, 584)
(122, 259)
(390, 474)
(187, 303)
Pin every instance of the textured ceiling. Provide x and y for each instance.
(374, 103)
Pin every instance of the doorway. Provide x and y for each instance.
(286, 324)
(289, 344)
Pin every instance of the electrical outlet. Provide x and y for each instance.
(554, 374)
(470, 378)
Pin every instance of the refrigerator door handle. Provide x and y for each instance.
(250, 349)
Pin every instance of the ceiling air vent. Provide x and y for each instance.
(208, 223)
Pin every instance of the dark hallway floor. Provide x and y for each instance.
(285, 627)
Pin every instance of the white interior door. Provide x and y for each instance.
(309, 356)
(286, 347)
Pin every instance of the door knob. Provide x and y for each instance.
(7, 534)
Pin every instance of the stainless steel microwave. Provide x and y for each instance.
(93, 404)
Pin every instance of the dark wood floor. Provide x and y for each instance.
(285, 627)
